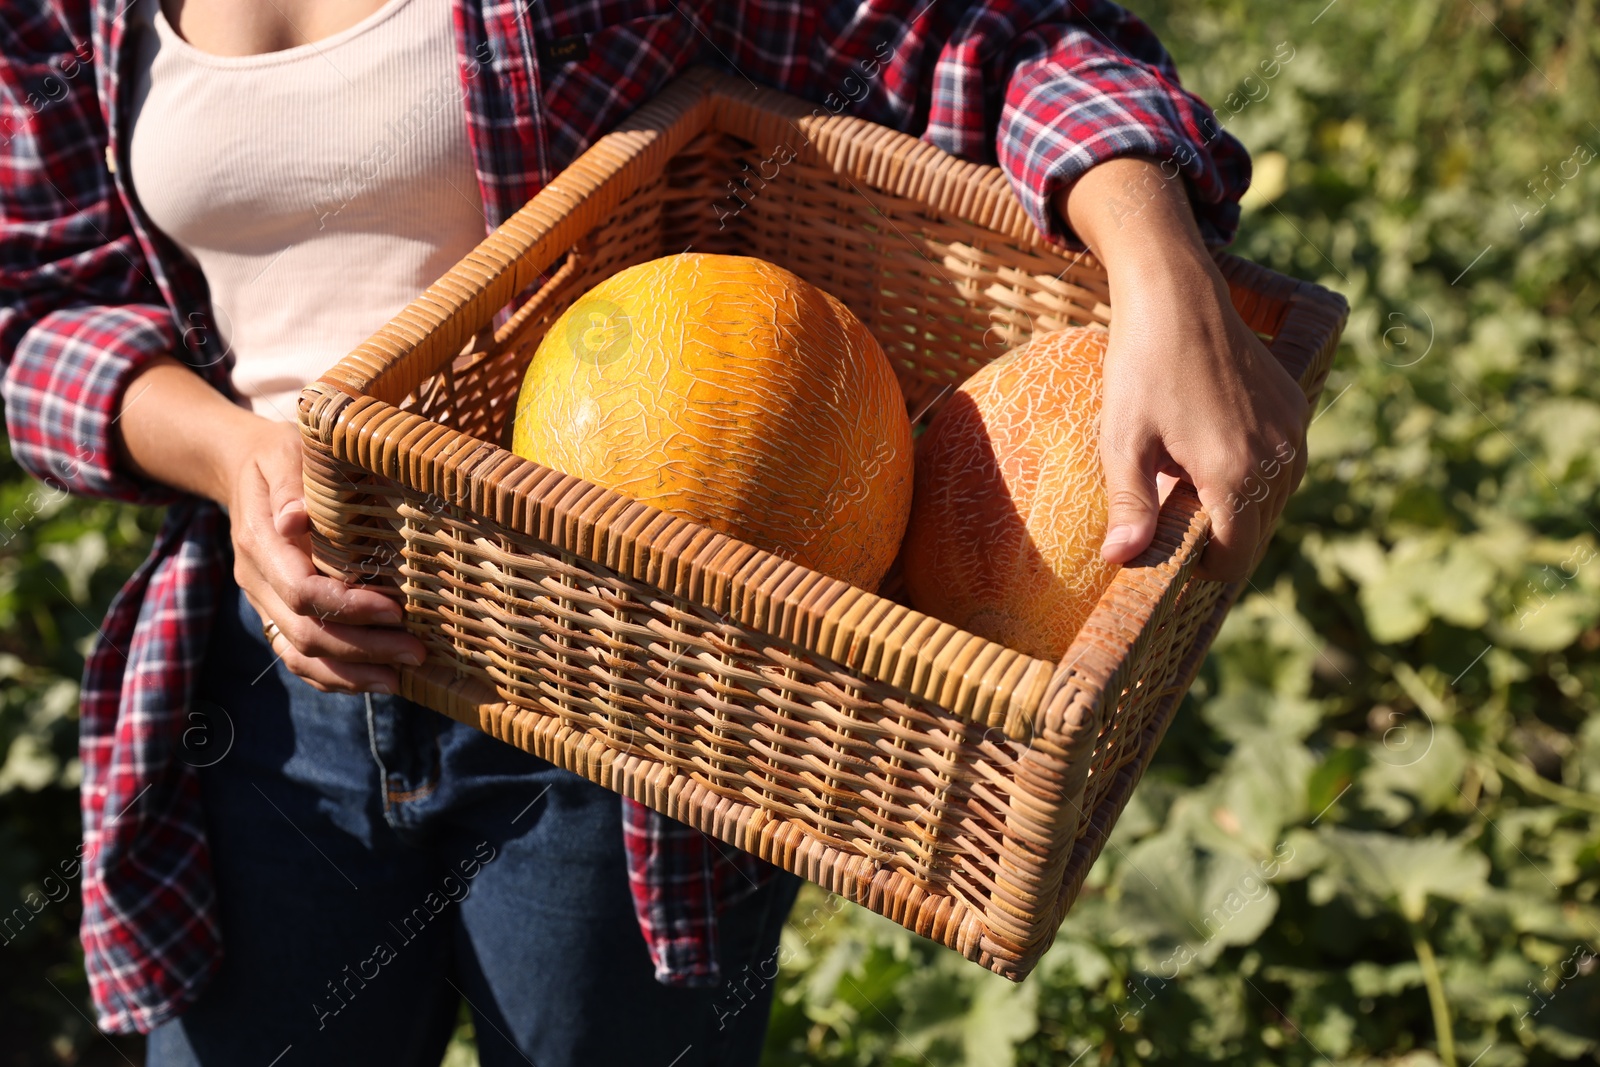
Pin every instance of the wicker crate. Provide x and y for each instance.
(955, 785)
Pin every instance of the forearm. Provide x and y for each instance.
(175, 428)
(1139, 223)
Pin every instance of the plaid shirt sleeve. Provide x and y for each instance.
(79, 313)
(1085, 93)
(1046, 89)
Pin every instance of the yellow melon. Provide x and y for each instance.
(1009, 511)
(729, 391)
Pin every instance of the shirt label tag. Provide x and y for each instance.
(564, 50)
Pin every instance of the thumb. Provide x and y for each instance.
(1132, 503)
(289, 517)
(286, 494)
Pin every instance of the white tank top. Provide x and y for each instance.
(320, 188)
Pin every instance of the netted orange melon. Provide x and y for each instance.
(1009, 510)
(729, 391)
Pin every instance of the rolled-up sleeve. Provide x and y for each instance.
(1047, 89)
(63, 387)
(1078, 84)
(1082, 101)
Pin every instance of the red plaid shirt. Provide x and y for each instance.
(90, 292)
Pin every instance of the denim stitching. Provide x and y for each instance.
(391, 796)
(402, 796)
(383, 772)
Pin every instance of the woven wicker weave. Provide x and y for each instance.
(955, 785)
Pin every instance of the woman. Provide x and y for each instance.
(207, 202)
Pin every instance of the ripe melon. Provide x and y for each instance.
(729, 391)
(1009, 511)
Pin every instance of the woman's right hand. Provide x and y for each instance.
(173, 427)
(339, 638)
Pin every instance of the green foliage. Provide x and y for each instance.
(1376, 821)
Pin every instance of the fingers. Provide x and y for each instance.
(1132, 494)
(263, 553)
(1244, 500)
(316, 625)
(328, 676)
(1236, 532)
(336, 676)
(1243, 485)
(316, 637)
(350, 664)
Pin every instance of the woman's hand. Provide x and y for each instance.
(1190, 390)
(337, 637)
(174, 428)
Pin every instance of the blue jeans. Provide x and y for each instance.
(378, 864)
